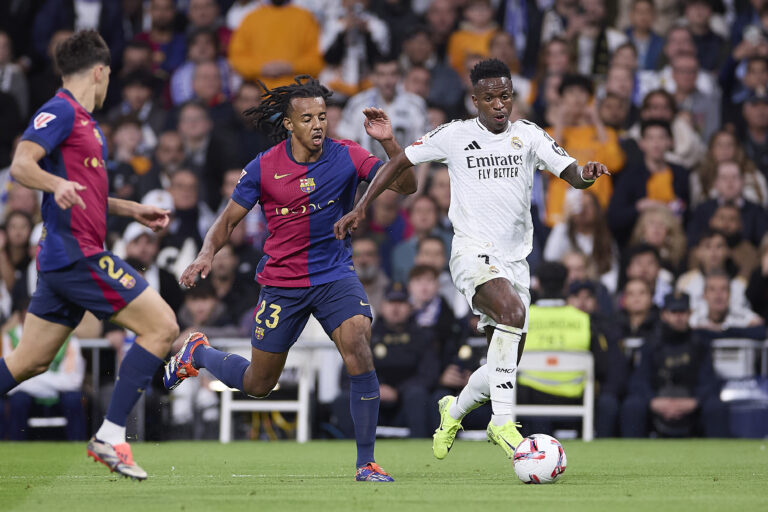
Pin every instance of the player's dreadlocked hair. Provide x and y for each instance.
(489, 68)
(269, 115)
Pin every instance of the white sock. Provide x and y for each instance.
(474, 394)
(111, 433)
(502, 371)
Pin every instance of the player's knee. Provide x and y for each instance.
(169, 331)
(259, 389)
(511, 314)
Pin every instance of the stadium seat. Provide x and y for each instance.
(735, 358)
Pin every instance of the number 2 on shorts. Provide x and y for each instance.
(274, 317)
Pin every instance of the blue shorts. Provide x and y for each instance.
(282, 313)
(102, 284)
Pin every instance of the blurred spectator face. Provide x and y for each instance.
(423, 215)
(557, 58)
(418, 48)
(478, 12)
(385, 208)
(614, 111)
(576, 263)
(162, 13)
(440, 188)
(729, 182)
(385, 77)
(365, 258)
(128, 137)
(582, 212)
(723, 147)
(717, 294)
(144, 248)
(685, 68)
(641, 15)
(58, 36)
(224, 263)
(658, 107)
(136, 57)
(248, 96)
(697, 14)
(136, 95)
(676, 320)
(5, 48)
(644, 266)
(625, 56)
(201, 308)
(594, 11)
(183, 190)
(206, 82)
(395, 312)
(679, 42)
(422, 289)
(756, 114)
(194, 123)
(727, 220)
(637, 297)
(417, 81)
(202, 47)
(431, 253)
(756, 75)
(620, 81)
(333, 114)
(22, 199)
(441, 17)
(583, 300)
(551, 89)
(169, 152)
(18, 228)
(655, 142)
(575, 101)
(502, 47)
(470, 61)
(712, 252)
(435, 116)
(229, 182)
(655, 229)
(202, 13)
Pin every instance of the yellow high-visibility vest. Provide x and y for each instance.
(563, 328)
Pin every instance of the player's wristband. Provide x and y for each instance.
(581, 175)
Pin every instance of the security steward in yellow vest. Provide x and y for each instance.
(555, 325)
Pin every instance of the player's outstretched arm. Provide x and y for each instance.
(26, 171)
(379, 127)
(583, 177)
(151, 216)
(217, 236)
(384, 178)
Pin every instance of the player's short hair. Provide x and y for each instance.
(422, 270)
(655, 123)
(489, 68)
(576, 81)
(81, 51)
(268, 116)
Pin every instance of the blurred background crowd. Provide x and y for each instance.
(671, 95)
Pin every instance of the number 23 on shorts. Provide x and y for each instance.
(273, 318)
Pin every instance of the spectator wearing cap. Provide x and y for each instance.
(445, 88)
(648, 183)
(557, 325)
(138, 101)
(729, 189)
(674, 390)
(754, 131)
(168, 46)
(202, 46)
(718, 315)
(578, 128)
(406, 365)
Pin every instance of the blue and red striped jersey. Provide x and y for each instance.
(302, 202)
(75, 150)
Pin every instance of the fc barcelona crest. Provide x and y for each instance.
(128, 281)
(259, 333)
(307, 185)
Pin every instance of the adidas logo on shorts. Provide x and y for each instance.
(505, 385)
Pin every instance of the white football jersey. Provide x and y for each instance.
(491, 179)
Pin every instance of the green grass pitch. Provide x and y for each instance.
(611, 475)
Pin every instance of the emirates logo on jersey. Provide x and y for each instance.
(307, 185)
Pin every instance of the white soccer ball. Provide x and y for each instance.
(539, 459)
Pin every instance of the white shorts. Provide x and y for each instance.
(475, 264)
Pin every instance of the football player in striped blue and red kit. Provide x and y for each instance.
(304, 184)
(62, 153)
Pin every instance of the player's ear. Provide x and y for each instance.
(287, 123)
(474, 101)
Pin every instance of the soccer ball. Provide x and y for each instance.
(539, 459)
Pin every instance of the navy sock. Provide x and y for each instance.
(135, 376)
(228, 368)
(7, 382)
(364, 407)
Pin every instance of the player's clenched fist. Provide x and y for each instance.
(348, 223)
(201, 266)
(66, 196)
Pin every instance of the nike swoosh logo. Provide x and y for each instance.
(281, 176)
(369, 398)
(364, 304)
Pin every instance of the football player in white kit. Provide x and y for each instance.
(491, 162)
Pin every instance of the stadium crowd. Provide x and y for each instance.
(671, 95)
